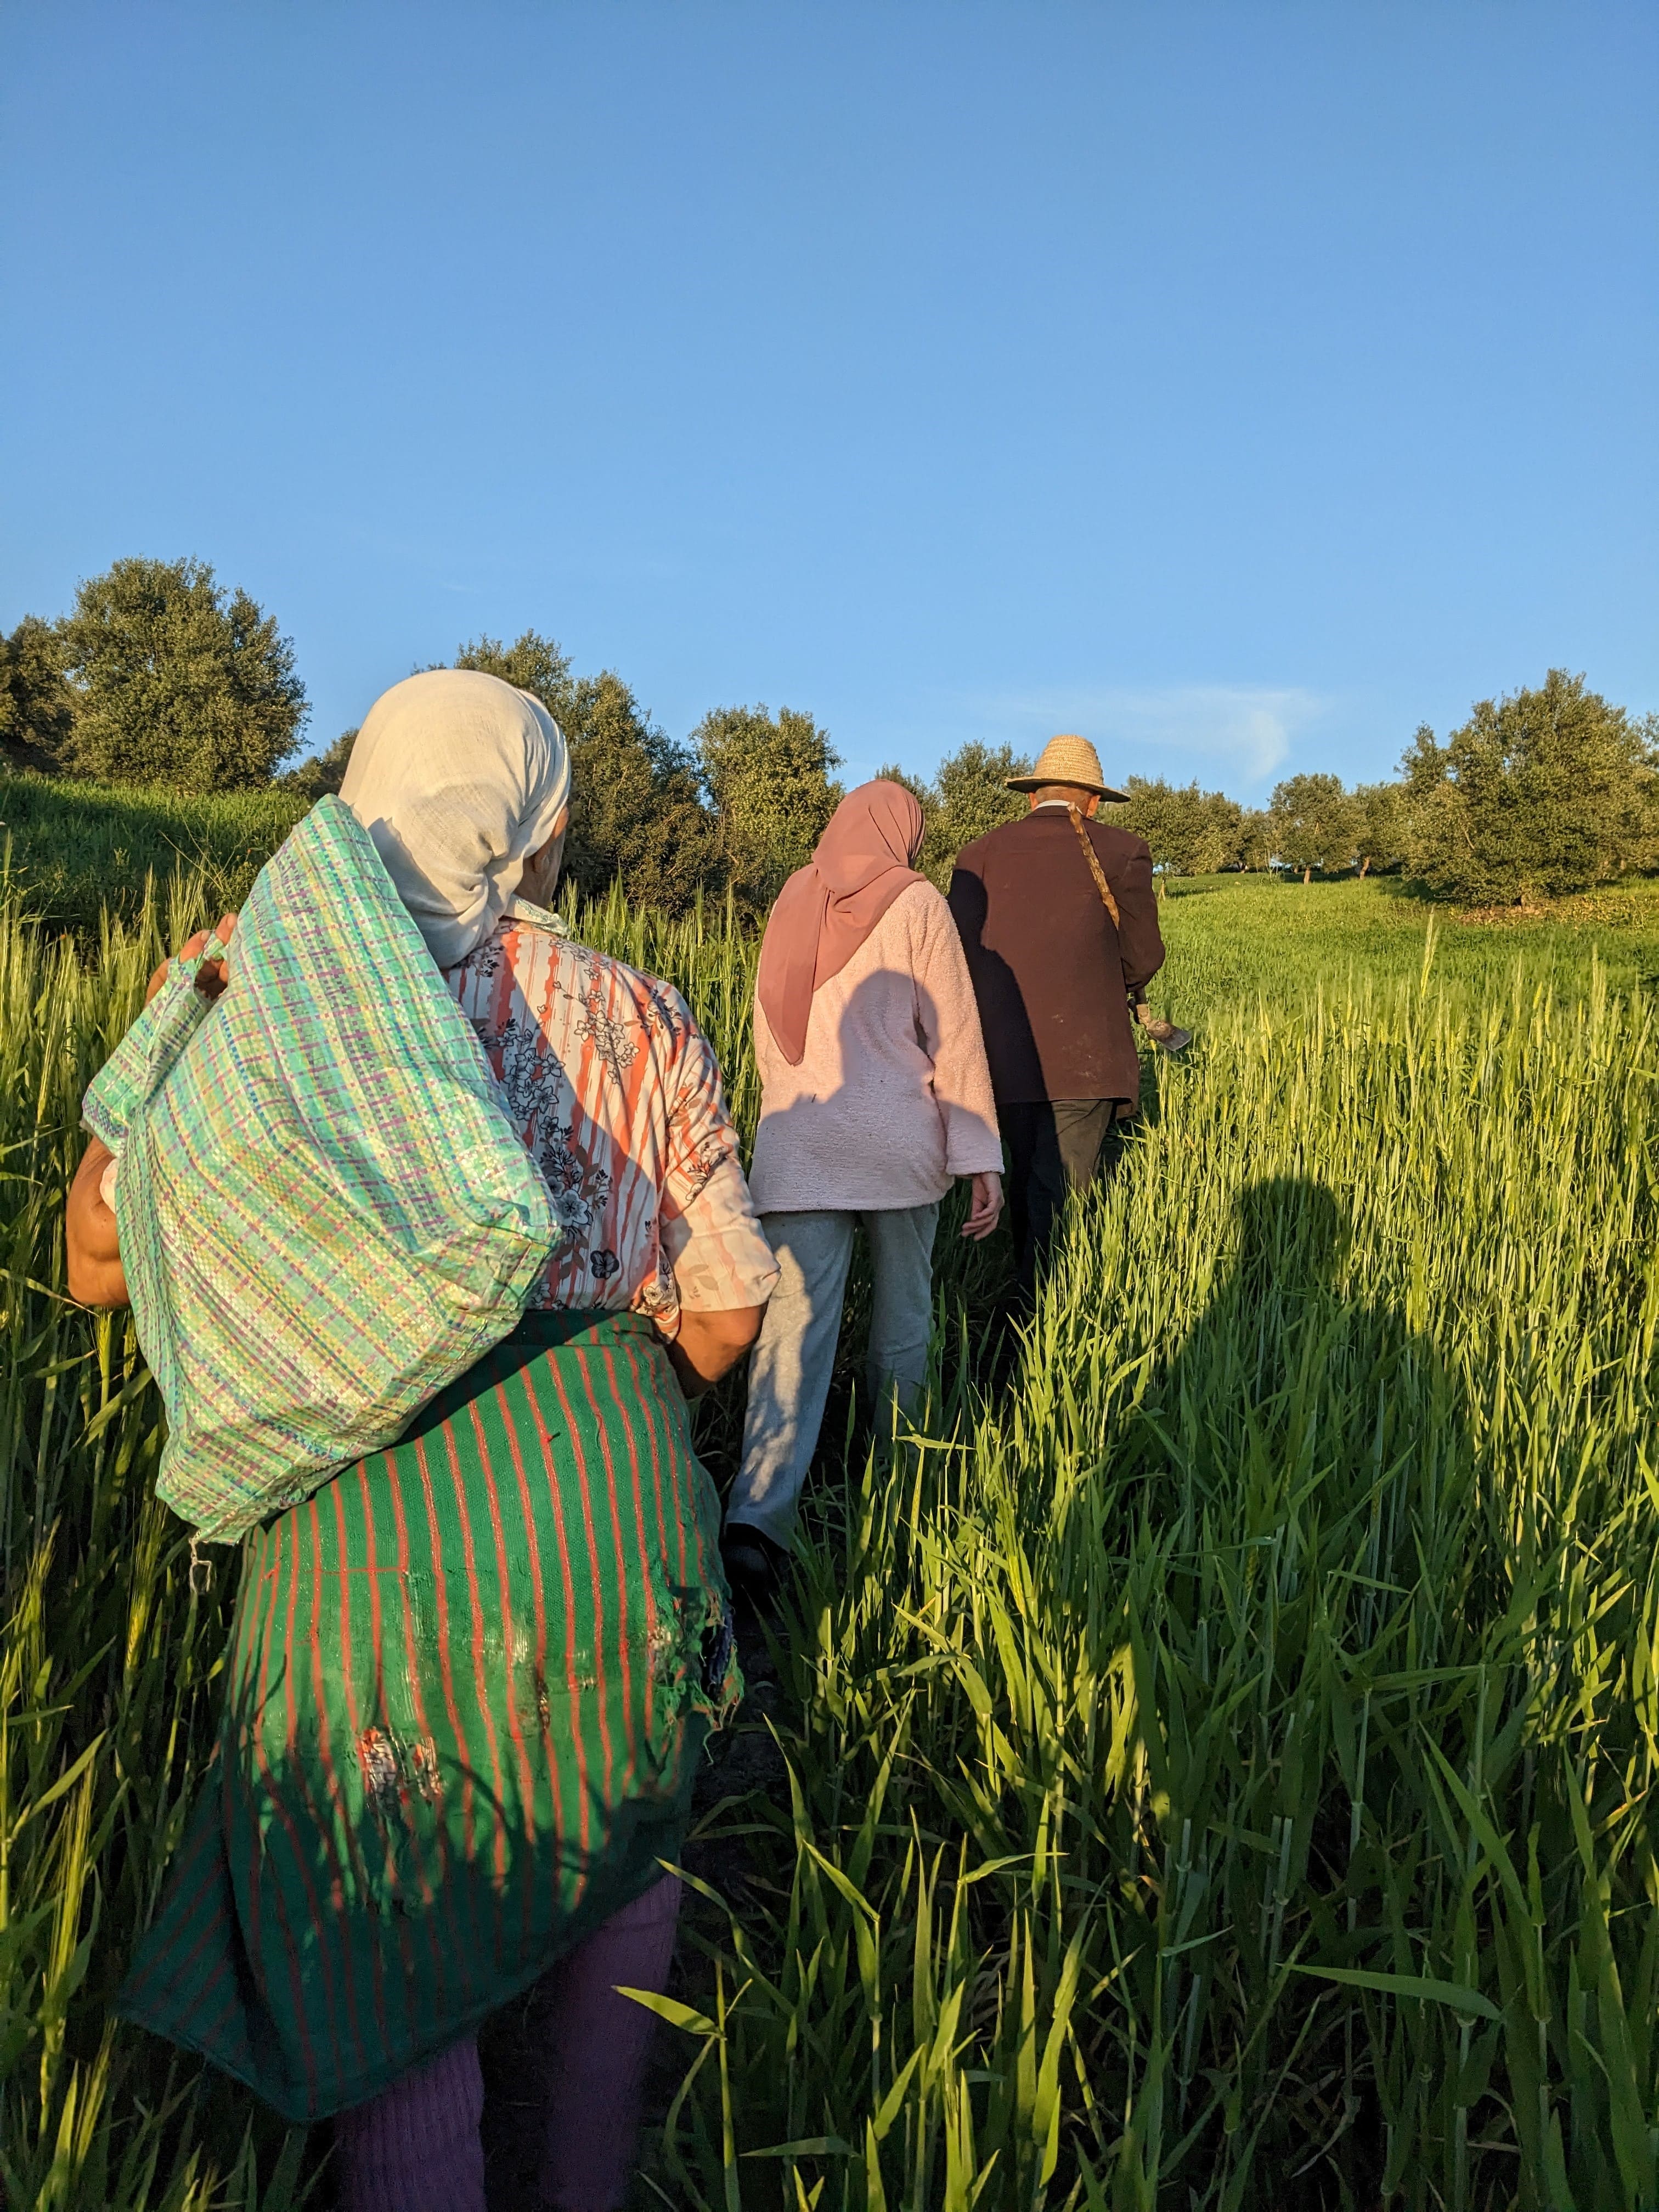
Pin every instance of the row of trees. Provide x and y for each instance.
(1548, 791)
(159, 675)
(1312, 823)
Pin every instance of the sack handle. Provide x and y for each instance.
(1095, 868)
(213, 950)
(1162, 1032)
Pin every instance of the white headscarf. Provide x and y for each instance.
(458, 778)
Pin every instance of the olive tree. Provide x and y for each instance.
(1313, 822)
(1190, 832)
(37, 707)
(1544, 792)
(177, 681)
(967, 798)
(769, 778)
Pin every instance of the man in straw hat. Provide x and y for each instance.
(1057, 915)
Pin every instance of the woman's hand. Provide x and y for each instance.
(212, 975)
(95, 1274)
(986, 1208)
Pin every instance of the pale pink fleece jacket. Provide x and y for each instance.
(892, 1097)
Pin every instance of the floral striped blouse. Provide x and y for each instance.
(615, 1090)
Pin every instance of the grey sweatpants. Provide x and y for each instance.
(790, 1369)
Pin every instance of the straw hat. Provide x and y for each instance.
(1068, 760)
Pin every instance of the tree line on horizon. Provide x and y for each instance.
(160, 676)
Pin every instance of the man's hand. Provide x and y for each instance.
(986, 1208)
(710, 1344)
(95, 1275)
(212, 975)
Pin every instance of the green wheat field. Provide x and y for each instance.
(1219, 1743)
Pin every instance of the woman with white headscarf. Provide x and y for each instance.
(469, 1678)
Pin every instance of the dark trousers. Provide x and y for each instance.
(1054, 1146)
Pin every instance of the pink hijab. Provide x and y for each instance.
(827, 910)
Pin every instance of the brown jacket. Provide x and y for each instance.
(1050, 973)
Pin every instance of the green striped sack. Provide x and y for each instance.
(325, 1215)
(467, 1691)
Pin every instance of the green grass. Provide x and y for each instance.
(1222, 1755)
(81, 851)
(1275, 1660)
(1247, 936)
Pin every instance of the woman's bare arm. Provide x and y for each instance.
(96, 1276)
(95, 1273)
(710, 1345)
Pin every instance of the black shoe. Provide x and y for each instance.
(755, 1565)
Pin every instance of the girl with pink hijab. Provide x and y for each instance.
(875, 1095)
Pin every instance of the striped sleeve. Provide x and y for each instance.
(710, 1232)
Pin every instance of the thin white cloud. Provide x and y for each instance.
(1235, 734)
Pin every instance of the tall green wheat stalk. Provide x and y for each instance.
(107, 1660)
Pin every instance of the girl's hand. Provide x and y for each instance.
(986, 1208)
(213, 974)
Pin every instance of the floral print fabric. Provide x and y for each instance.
(615, 1092)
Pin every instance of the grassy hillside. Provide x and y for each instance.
(81, 850)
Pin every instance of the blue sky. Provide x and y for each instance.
(1239, 384)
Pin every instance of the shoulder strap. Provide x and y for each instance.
(1165, 1033)
(1095, 868)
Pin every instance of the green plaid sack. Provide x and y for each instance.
(325, 1215)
